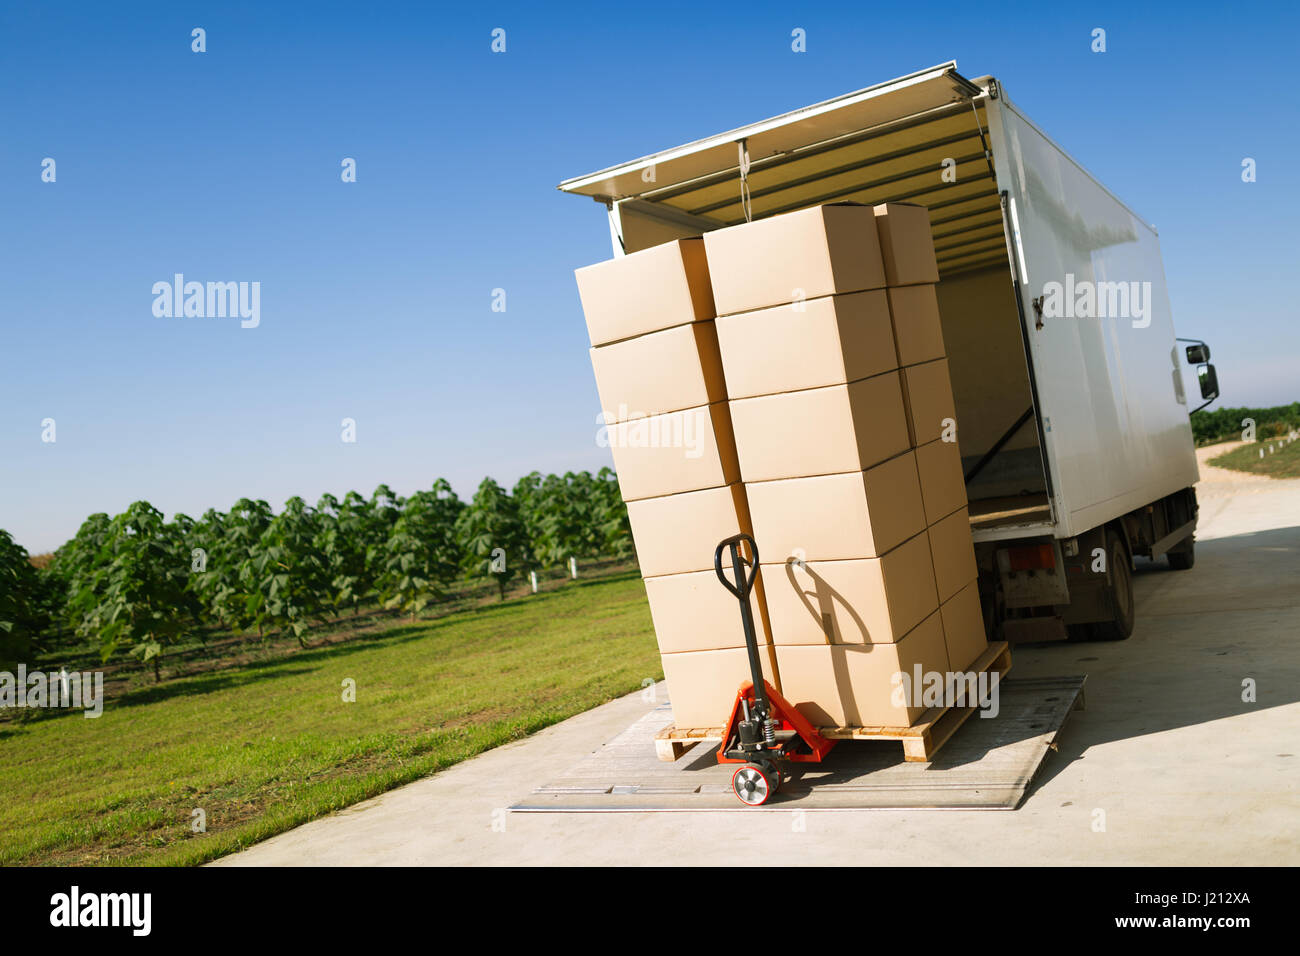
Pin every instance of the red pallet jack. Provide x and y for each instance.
(763, 727)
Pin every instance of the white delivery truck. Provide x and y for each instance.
(1072, 413)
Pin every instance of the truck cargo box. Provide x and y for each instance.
(1088, 413)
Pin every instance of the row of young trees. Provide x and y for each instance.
(136, 583)
(1221, 424)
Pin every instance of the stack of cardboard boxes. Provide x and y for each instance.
(910, 274)
(660, 380)
(825, 387)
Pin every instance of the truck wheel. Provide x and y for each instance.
(1184, 557)
(1119, 594)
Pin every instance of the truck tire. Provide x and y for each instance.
(1184, 557)
(1119, 593)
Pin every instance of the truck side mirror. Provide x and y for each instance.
(1198, 354)
(1209, 380)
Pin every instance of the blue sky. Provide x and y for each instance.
(376, 295)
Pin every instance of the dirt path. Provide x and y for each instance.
(1214, 476)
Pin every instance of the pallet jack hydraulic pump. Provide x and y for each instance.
(763, 727)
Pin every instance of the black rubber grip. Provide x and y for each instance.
(747, 582)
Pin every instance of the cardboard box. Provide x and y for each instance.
(702, 685)
(797, 255)
(943, 484)
(858, 601)
(833, 340)
(953, 553)
(679, 533)
(656, 288)
(927, 396)
(906, 244)
(820, 431)
(659, 372)
(855, 685)
(918, 332)
(694, 612)
(682, 451)
(963, 627)
(859, 514)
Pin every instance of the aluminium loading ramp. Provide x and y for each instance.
(987, 765)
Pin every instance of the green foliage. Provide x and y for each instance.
(136, 584)
(533, 512)
(493, 540)
(609, 517)
(353, 540)
(1225, 424)
(577, 515)
(24, 605)
(422, 554)
(212, 567)
(132, 593)
(224, 575)
(289, 573)
(77, 558)
(342, 538)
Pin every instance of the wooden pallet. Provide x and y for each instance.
(921, 741)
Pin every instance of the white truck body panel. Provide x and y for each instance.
(1109, 391)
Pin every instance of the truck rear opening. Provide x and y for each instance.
(922, 139)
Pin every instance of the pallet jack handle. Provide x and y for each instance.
(741, 589)
(759, 712)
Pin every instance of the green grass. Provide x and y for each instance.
(270, 745)
(1284, 462)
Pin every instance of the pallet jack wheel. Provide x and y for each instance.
(754, 784)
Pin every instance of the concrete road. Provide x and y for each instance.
(1168, 765)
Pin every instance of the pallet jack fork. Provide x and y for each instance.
(763, 727)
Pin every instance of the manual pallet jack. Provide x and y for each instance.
(763, 727)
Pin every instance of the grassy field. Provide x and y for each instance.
(1284, 462)
(267, 746)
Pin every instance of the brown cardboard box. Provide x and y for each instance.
(659, 372)
(943, 485)
(820, 431)
(927, 395)
(963, 627)
(859, 601)
(906, 244)
(656, 288)
(702, 685)
(918, 332)
(681, 451)
(694, 612)
(953, 553)
(797, 255)
(678, 533)
(855, 685)
(859, 514)
(828, 341)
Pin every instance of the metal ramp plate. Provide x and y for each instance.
(987, 765)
